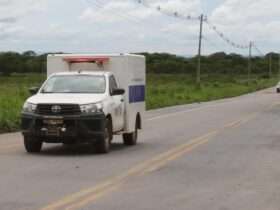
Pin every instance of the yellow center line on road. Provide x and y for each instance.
(203, 140)
(139, 170)
(84, 197)
(90, 195)
(175, 156)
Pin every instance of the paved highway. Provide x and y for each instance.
(218, 155)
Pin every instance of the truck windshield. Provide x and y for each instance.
(75, 84)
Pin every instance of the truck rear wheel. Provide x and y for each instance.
(103, 144)
(130, 139)
(32, 145)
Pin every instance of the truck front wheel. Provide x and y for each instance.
(130, 139)
(32, 145)
(103, 144)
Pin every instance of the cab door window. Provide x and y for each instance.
(112, 84)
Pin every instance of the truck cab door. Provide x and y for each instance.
(118, 107)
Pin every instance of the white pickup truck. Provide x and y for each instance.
(86, 99)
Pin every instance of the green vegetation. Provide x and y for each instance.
(159, 63)
(217, 63)
(13, 92)
(167, 90)
(12, 62)
(170, 80)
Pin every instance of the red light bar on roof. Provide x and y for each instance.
(86, 59)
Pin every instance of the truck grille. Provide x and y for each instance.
(58, 109)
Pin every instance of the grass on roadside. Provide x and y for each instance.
(13, 93)
(168, 90)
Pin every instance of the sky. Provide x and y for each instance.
(114, 26)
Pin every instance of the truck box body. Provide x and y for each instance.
(129, 71)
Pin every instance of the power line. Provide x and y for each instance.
(225, 38)
(133, 21)
(125, 16)
(258, 50)
(176, 14)
(210, 42)
(168, 13)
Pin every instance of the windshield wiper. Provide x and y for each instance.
(71, 92)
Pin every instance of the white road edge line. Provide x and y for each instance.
(186, 111)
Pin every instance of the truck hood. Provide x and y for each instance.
(66, 98)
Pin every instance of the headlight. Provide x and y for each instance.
(29, 107)
(91, 108)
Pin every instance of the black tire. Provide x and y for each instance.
(103, 144)
(32, 145)
(278, 90)
(130, 139)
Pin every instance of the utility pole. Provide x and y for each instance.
(279, 65)
(198, 79)
(249, 62)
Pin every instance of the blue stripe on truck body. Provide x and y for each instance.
(136, 93)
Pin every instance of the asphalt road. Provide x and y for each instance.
(222, 155)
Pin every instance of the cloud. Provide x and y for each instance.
(53, 32)
(127, 26)
(12, 11)
(181, 6)
(248, 20)
(8, 20)
(117, 10)
(10, 32)
(232, 11)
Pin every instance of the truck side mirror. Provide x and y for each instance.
(33, 90)
(117, 92)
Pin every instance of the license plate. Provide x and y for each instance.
(53, 122)
(53, 131)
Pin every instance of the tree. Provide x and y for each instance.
(9, 63)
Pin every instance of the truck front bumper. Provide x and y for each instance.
(63, 129)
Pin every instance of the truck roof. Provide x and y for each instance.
(97, 55)
(99, 73)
